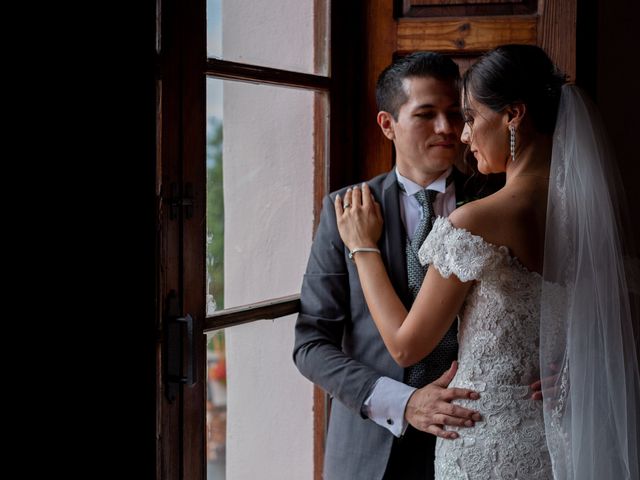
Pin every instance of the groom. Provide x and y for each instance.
(380, 411)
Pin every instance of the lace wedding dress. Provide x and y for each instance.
(498, 357)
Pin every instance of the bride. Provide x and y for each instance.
(536, 274)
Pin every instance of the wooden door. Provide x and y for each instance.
(462, 28)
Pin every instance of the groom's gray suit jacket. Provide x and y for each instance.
(337, 345)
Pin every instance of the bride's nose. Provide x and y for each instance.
(465, 137)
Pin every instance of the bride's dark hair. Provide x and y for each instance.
(517, 73)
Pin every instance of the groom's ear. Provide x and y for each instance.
(515, 113)
(386, 122)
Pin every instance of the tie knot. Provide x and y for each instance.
(425, 197)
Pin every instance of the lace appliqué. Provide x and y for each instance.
(498, 357)
(454, 250)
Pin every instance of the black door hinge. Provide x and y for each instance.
(179, 348)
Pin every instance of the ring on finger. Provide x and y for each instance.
(347, 205)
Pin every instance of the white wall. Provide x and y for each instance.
(268, 188)
(277, 33)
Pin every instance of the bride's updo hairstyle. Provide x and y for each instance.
(517, 74)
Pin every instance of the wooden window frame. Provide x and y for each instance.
(182, 69)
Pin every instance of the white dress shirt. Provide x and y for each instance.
(388, 398)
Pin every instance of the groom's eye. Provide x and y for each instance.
(426, 115)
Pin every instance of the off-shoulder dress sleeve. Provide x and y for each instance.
(457, 251)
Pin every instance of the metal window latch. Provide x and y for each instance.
(179, 344)
(178, 201)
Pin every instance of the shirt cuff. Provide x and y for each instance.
(386, 404)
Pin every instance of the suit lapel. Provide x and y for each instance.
(393, 248)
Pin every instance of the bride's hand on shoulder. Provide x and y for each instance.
(359, 217)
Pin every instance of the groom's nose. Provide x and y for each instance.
(443, 124)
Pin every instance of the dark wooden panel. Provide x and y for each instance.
(347, 65)
(465, 34)
(168, 431)
(557, 33)
(617, 70)
(450, 8)
(193, 154)
(380, 47)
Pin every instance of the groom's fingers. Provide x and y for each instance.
(461, 413)
(446, 377)
(549, 393)
(441, 419)
(440, 432)
(455, 393)
(544, 383)
(545, 387)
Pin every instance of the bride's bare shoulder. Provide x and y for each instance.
(478, 216)
(506, 218)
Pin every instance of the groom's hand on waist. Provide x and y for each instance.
(429, 408)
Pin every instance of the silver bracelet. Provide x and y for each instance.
(362, 249)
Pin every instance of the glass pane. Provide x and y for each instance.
(259, 408)
(215, 199)
(260, 191)
(278, 34)
(216, 414)
(260, 165)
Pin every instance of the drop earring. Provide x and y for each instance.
(512, 142)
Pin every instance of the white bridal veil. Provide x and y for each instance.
(588, 311)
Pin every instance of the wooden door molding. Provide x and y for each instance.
(452, 8)
(194, 175)
(181, 149)
(468, 35)
(557, 33)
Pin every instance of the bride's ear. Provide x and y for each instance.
(515, 114)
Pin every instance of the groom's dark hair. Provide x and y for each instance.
(390, 93)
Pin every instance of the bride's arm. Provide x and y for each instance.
(409, 336)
